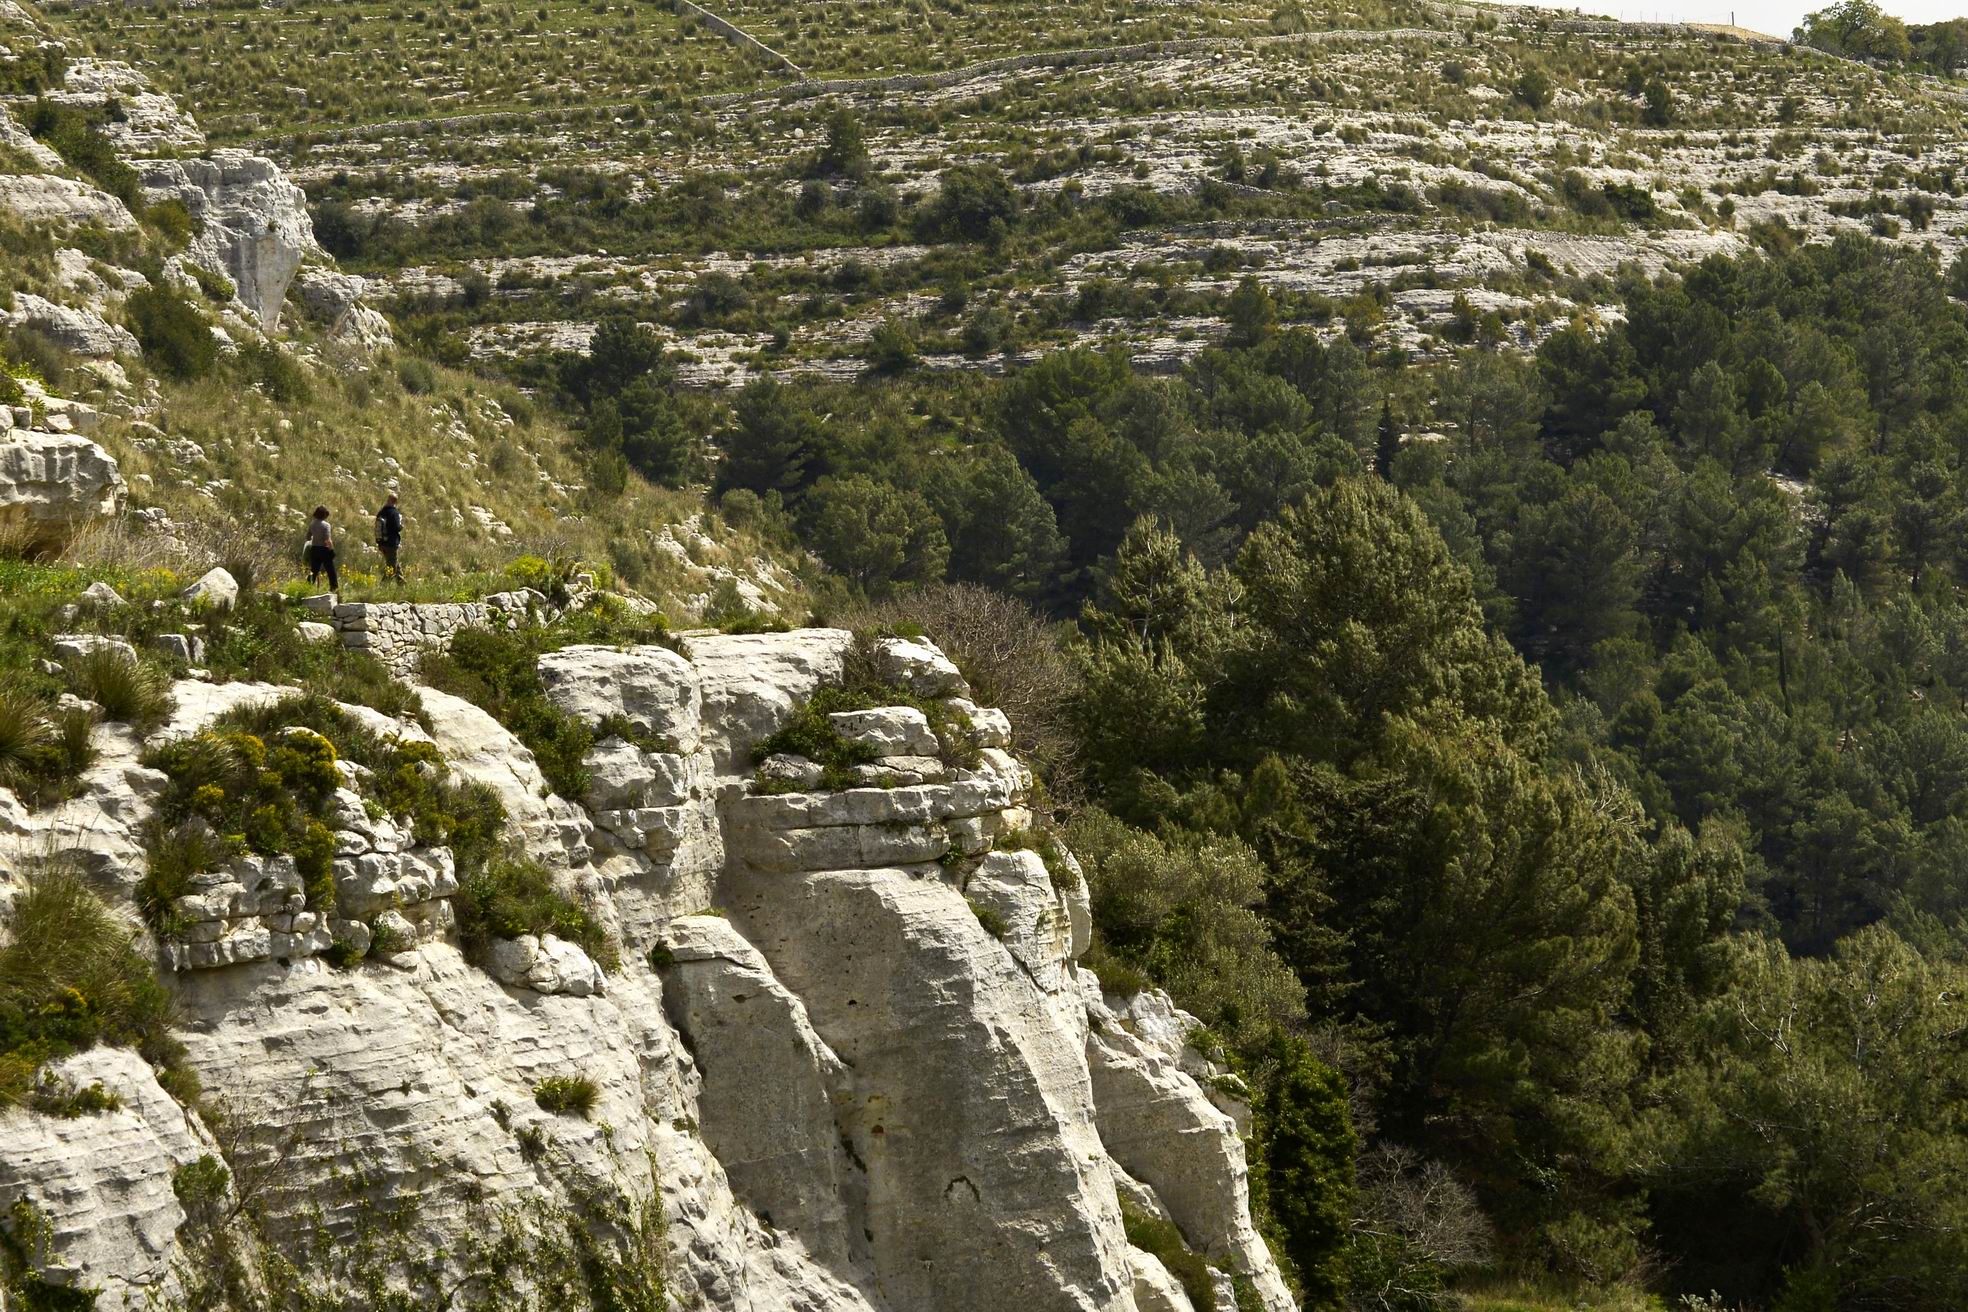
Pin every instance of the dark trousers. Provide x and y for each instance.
(321, 560)
(390, 567)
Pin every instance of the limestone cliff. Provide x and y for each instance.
(845, 1058)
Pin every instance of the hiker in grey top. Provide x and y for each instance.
(321, 550)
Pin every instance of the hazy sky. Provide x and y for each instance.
(1774, 16)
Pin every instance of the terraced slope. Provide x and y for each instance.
(1411, 174)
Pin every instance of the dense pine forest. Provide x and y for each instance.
(1561, 820)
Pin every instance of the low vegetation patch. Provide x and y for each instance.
(129, 689)
(263, 779)
(567, 1095)
(497, 669)
(43, 751)
(70, 979)
(512, 897)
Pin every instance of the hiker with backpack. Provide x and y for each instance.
(389, 536)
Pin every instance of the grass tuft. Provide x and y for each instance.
(567, 1095)
(129, 689)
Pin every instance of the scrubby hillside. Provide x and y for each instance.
(178, 294)
(1460, 510)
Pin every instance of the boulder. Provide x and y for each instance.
(798, 771)
(1015, 887)
(84, 332)
(620, 776)
(180, 646)
(215, 588)
(653, 688)
(53, 485)
(890, 730)
(1155, 1290)
(74, 646)
(334, 301)
(42, 200)
(917, 665)
(101, 595)
(545, 964)
(753, 682)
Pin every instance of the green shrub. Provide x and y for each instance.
(175, 337)
(567, 1095)
(1162, 1241)
(263, 778)
(74, 136)
(69, 979)
(812, 735)
(993, 923)
(1116, 976)
(56, 1095)
(173, 222)
(496, 670)
(129, 689)
(274, 372)
(43, 752)
(172, 856)
(511, 897)
(201, 1183)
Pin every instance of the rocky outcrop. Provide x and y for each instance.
(41, 199)
(253, 223)
(53, 484)
(82, 331)
(334, 301)
(145, 121)
(873, 1079)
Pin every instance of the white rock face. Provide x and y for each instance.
(255, 225)
(52, 484)
(1164, 1131)
(103, 1181)
(890, 730)
(769, 1089)
(652, 687)
(950, 1047)
(479, 748)
(850, 1096)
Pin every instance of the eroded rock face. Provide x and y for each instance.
(753, 682)
(53, 484)
(102, 1182)
(880, 1084)
(951, 1049)
(42, 199)
(254, 224)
